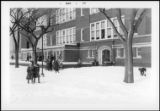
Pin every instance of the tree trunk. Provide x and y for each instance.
(16, 57)
(129, 78)
(34, 55)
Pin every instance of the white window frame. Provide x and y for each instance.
(102, 29)
(74, 34)
(65, 14)
(93, 32)
(69, 36)
(118, 51)
(106, 29)
(98, 30)
(118, 27)
(137, 55)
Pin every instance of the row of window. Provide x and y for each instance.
(68, 14)
(91, 53)
(65, 15)
(94, 10)
(104, 30)
(66, 36)
(57, 54)
(120, 54)
(98, 31)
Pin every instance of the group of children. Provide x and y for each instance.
(53, 63)
(33, 69)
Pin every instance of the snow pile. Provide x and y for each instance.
(82, 88)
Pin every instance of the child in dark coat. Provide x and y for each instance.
(30, 72)
(56, 66)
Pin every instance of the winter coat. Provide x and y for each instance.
(56, 65)
(36, 71)
(32, 72)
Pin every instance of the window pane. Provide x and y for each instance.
(114, 33)
(97, 34)
(103, 24)
(103, 33)
(92, 34)
(97, 26)
(108, 24)
(108, 32)
(71, 31)
(115, 21)
(74, 30)
(92, 27)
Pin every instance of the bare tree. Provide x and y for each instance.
(135, 18)
(16, 16)
(32, 30)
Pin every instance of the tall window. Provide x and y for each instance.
(92, 31)
(49, 40)
(66, 36)
(109, 30)
(71, 35)
(136, 52)
(120, 53)
(74, 34)
(103, 29)
(115, 21)
(97, 30)
(65, 15)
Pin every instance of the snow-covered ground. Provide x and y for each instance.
(83, 88)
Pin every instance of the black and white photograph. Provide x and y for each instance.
(78, 55)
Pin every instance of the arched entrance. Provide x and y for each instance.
(104, 55)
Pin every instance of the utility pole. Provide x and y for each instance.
(42, 55)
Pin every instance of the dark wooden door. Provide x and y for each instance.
(105, 56)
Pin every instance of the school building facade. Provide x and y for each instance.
(86, 34)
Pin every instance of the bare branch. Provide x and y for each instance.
(122, 26)
(27, 37)
(109, 19)
(140, 18)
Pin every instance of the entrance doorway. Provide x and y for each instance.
(105, 56)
